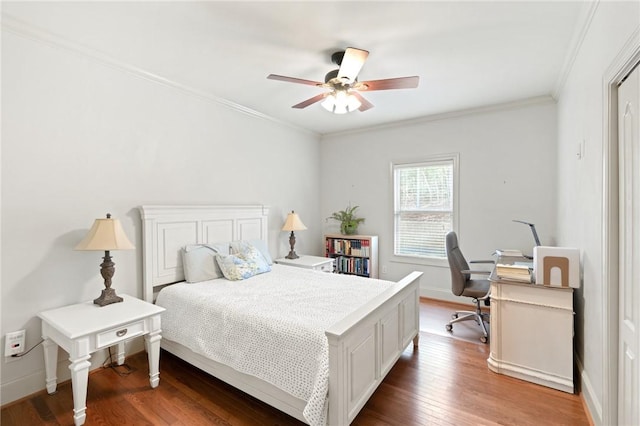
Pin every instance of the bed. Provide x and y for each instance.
(361, 345)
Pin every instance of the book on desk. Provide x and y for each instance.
(514, 272)
(508, 253)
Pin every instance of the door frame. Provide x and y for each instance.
(622, 65)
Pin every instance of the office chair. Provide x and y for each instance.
(463, 285)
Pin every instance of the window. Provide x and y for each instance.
(425, 206)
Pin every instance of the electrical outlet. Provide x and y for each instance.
(384, 269)
(14, 343)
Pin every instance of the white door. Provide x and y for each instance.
(629, 302)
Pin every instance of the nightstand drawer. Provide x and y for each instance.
(317, 263)
(117, 335)
(325, 267)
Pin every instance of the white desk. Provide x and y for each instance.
(532, 333)
(84, 328)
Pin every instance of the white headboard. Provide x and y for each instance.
(166, 229)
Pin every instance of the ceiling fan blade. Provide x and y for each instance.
(310, 101)
(364, 104)
(294, 80)
(352, 63)
(389, 83)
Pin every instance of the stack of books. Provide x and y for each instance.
(514, 272)
(508, 253)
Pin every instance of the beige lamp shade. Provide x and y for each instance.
(293, 223)
(104, 235)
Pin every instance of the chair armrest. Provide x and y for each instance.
(482, 261)
(469, 271)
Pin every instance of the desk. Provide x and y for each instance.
(532, 332)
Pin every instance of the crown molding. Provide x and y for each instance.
(36, 34)
(579, 34)
(546, 99)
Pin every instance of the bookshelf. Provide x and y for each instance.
(353, 254)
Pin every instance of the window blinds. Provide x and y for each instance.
(423, 207)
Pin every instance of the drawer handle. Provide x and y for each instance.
(121, 333)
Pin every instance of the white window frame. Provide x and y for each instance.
(454, 160)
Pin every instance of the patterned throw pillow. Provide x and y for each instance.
(261, 245)
(248, 251)
(244, 264)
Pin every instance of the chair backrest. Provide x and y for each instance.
(457, 263)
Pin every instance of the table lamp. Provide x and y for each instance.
(293, 223)
(106, 234)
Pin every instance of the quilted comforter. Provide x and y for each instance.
(270, 326)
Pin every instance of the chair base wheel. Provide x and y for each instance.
(484, 339)
(454, 316)
(449, 327)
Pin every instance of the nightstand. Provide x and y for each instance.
(316, 263)
(85, 328)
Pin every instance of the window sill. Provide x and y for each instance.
(424, 261)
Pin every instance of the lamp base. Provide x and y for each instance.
(108, 297)
(292, 255)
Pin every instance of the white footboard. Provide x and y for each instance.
(384, 327)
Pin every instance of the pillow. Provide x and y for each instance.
(237, 247)
(199, 264)
(248, 251)
(241, 266)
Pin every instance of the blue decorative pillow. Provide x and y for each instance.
(240, 247)
(243, 265)
(248, 251)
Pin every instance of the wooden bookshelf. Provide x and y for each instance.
(353, 254)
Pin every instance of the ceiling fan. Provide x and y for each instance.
(344, 88)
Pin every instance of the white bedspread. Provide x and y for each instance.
(270, 326)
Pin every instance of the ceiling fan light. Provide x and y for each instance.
(341, 102)
(353, 103)
(329, 102)
(340, 109)
(341, 106)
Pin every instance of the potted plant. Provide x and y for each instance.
(348, 221)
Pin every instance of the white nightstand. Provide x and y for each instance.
(84, 328)
(316, 263)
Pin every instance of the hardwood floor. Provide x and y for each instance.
(444, 382)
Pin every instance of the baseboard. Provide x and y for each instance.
(592, 407)
(26, 386)
(586, 410)
(448, 297)
(23, 387)
(444, 295)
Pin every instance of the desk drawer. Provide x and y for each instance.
(119, 334)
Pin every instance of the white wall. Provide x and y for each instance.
(582, 108)
(81, 138)
(507, 171)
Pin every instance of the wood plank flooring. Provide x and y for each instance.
(444, 382)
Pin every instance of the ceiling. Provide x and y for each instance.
(467, 54)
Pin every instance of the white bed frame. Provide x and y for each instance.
(363, 347)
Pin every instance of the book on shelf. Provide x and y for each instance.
(513, 272)
(348, 247)
(353, 254)
(352, 265)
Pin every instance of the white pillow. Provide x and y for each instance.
(261, 245)
(199, 263)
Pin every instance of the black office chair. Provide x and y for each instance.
(463, 285)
